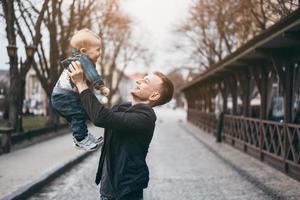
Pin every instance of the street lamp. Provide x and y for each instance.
(30, 50)
(11, 50)
(12, 53)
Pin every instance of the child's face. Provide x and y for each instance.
(94, 51)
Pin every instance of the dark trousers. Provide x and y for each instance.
(68, 105)
(136, 195)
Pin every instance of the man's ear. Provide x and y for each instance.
(154, 96)
(82, 50)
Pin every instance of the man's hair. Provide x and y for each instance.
(166, 91)
(84, 38)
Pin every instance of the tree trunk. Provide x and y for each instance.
(14, 94)
(53, 119)
(8, 8)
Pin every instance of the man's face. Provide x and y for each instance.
(94, 51)
(148, 88)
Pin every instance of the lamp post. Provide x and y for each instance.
(13, 72)
(17, 80)
(30, 50)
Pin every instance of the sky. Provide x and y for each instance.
(3, 52)
(154, 23)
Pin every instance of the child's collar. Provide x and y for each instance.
(74, 51)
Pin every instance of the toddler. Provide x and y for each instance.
(86, 48)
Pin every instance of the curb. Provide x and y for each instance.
(29, 189)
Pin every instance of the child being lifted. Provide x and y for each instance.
(86, 49)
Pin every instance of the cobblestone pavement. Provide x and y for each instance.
(185, 164)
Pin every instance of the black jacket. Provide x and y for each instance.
(128, 133)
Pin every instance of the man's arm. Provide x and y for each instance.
(142, 118)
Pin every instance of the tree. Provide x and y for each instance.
(60, 22)
(118, 47)
(215, 28)
(176, 76)
(18, 74)
(208, 31)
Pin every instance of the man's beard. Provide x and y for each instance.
(137, 97)
(134, 95)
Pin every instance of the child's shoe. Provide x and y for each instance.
(87, 144)
(96, 140)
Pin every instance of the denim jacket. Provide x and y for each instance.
(87, 65)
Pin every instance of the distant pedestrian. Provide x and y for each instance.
(129, 128)
(86, 47)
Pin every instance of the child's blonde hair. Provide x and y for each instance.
(84, 38)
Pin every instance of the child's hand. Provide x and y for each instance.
(103, 90)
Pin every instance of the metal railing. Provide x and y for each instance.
(206, 121)
(274, 142)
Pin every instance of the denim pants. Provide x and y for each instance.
(136, 195)
(68, 105)
(87, 65)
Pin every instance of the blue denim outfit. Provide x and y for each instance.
(67, 103)
(87, 65)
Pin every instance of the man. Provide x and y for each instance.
(128, 132)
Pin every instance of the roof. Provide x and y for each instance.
(284, 34)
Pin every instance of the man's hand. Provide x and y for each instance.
(77, 76)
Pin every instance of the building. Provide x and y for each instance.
(4, 84)
(36, 99)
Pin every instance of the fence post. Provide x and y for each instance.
(6, 142)
(219, 127)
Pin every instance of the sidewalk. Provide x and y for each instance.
(24, 166)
